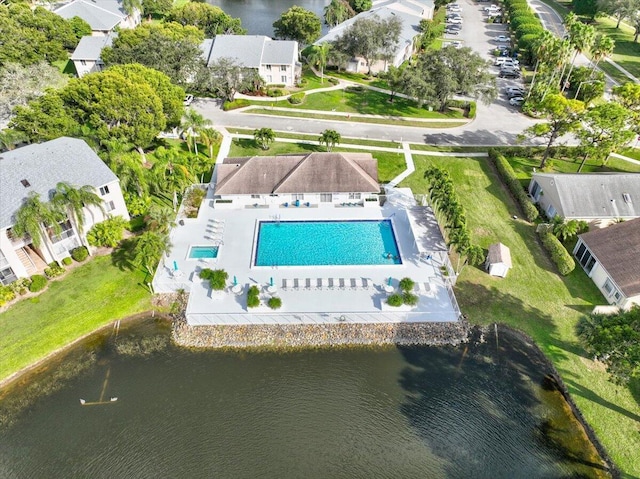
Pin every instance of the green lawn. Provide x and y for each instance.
(390, 165)
(88, 297)
(367, 102)
(626, 52)
(379, 121)
(631, 153)
(536, 300)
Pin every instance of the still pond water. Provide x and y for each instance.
(258, 15)
(480, 411)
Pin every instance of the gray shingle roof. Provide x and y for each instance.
(312, 173)
(89, 48)
(499, 253)
(101, 15)
(617, 249)
(44, 165)
(252, 50)
(592, 195)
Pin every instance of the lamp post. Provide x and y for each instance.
(580, 86)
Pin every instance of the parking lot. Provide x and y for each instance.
(481, 36)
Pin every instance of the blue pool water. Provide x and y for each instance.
(203, 252)
(317, 243)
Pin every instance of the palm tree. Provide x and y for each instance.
(209, 138)
(192, 123)
(319, 56)
(337, 12)
(602, 48)
(330, 138)
(149, 247)
(582, 37)
(264, 137)
(71, 201)
(159, 219)
(564, 230)
(33, 215)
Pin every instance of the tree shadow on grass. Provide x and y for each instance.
(123, 255)
(583, 391)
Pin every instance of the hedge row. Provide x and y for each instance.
(232, 105)
(525, 25)
(508, 177)
(559, 254)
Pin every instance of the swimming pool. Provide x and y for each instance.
(203, 252)
(321, 243)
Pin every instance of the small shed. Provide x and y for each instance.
(498, 260)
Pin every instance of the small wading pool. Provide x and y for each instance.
(203, 252)
(330, 243)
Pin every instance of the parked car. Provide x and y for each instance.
(453, 15)
(513, 91)
(502, 39)
(491, 8)
(187, 100)
(454, 27)
(451, 31)
(455, 21)
(516, 101)
(509, 65)
(454, 8)
(509, 74)
(506, 60)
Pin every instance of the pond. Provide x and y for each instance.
(258, 15)
(479, 410)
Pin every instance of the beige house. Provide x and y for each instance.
(38, 168)
(297, 180)
(592, 197)
(276, 61)
(611, 258)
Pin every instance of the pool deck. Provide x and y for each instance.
(336, 298)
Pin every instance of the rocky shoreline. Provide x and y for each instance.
(320, 335)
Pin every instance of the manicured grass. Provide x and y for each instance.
(90, 296)
(390, 165)
(631, 153)
(301, 136)
(626, 53)
(367, 102)
(535, 299)
(379, 121)
(523, 166)
(67, 67)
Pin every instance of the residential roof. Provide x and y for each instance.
(44, 165)
(592, 195)
(617, 249)
(89, 48)
(499, 253)
(101, 15)
(409, 12)
(311, 173)
(253, 50)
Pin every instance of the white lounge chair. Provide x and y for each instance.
(341, 283)
(364, 283)
(353, 284)
(287, 284)
(307, 283)
(320, 283)
(296, 283)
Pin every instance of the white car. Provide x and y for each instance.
(454, 8)
(516, 101)
(502, 39)
(187, 100)
(506, 61)
(491, 8)
(455, 21)
(514, 91)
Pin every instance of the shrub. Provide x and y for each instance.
(80, 253)
(275, 303)
(253, 299)
(297, 98)
(333, 81)
(67, 261)
(273, 92)
(6, 295)
(108, 233)
(53, 270)
(232, 105)
(354, 89)
(508, 177)
(217, 278)
(406, 284)
(395, 300)
(559, 254)
(20, 286)
(409, 299)
(38, 283)
(528, 29)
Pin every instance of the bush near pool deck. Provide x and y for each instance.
(217, 278)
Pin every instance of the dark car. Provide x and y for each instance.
(509, 74)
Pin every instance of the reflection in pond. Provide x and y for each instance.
(473, 411)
